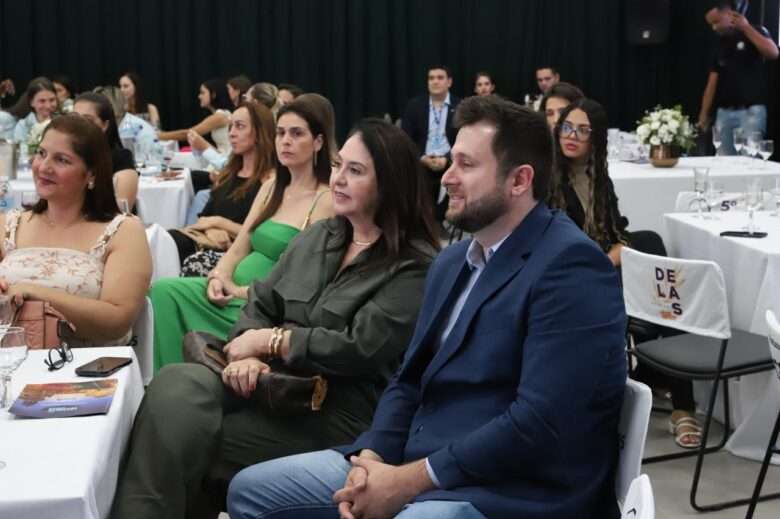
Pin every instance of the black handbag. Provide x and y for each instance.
(276, 391)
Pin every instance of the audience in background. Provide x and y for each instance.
(251, 163)
(483, 84)
(427, 120)
(73, 248)
(266, 94)
(63, 86)
(327, 115)
(213, 97)
(289, 92)
(137, 129)
(346, 295)
(508, 399)
(546, 77)
(97, 108)
(283, 207)
(237, 87)
(737, 81)
(558, 97)
(36, 107)
(136, 101)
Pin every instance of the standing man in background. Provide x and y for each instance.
(737, 82)
(428, 121)
(546, 77)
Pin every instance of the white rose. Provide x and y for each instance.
(674, 125)
(655, 125)
(655, 141)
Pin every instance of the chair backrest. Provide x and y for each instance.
(639, 503)
(774, 339)
(687, 201)
(632, 432)
(689, 295)
(165, 255)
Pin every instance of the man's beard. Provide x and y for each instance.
(480, 213)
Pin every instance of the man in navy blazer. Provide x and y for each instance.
(428, 121)
(507, 402)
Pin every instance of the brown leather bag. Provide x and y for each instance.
(276, 391)
(44, 326)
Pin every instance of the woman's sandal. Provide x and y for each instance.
(686, 431)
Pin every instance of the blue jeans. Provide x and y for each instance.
(198, 203)
(302, 486)
(752, 119)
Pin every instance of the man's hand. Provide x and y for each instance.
(387, 488)
(355, 483)
(739, 22)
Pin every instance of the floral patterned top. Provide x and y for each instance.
(76, 272)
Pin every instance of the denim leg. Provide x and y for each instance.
(198, 203)
(754, 119)
(440, 510)
(726, 120)
(299, 486)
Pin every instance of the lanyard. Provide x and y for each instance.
(437, 115)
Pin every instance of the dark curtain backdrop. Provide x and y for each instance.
(368, 56)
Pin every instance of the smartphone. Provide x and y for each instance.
(102, 367)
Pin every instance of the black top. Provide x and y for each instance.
(614, 219)
(122, 158)
(741, 73)
(221, 204)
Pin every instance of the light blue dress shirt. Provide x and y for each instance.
(437, 145)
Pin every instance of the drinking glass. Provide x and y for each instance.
(13, 351)
(766, 148)
(717, 138)
(140, 151)
(753, 198)
(701, 177)
(713, 195)
(740, 140)
(751, 145)
(776, 195)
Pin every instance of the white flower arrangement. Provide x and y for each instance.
(666, 126)
(35, 137)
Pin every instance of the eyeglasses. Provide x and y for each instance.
(65, 355)
(581, 133)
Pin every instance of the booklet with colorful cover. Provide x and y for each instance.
(64, 399)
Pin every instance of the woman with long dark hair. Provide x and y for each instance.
(235, 188)
(294, 199)
(342, 302)
(73, 248)
(97, 108)
(135, 97)
(582, 187)
(212, 96)
(558, 97)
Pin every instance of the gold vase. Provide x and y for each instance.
(664, 156)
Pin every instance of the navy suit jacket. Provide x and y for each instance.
(517, 410)
(415, 120)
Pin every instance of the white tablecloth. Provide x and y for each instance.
(751, 268)
(66, 468)
(646, 193)
(164, 202)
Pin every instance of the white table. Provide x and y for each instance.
(751, 268)
(66, 468)
(646, 193)
(164, 202)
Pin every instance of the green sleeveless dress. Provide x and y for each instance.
(181, 305)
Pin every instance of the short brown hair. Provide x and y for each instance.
(522, 136)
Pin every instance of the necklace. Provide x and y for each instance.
(363, 243)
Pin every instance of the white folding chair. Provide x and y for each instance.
(632, 433)
(640, 503)
(774, 350)
(690, 295)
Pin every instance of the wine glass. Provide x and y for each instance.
(751, 145)
(713, 195)
(776, 194)
(766, 148)
(700, 179)
(140, 150)
(13, 351)
(717, 138)
(740, 140)
(753, 198)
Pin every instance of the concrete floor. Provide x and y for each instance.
(724, 477)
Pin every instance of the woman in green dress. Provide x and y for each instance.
(283, 207)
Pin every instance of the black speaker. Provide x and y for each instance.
(647, 21)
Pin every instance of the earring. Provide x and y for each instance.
(91, 184)
(315, 159)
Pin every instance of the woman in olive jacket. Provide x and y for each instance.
(346, 293)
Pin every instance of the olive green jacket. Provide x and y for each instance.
(352, 326)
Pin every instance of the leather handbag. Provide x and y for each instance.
(44, 326)
(276, 391)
